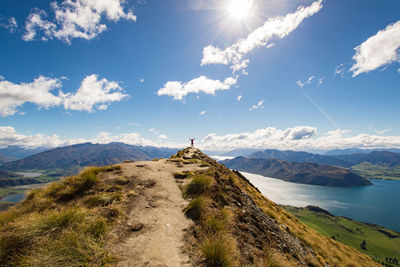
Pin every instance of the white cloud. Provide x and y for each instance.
(203, 112)
(141, 80)
(10, 24)
(239, 97)
(274, 27)
(178, 90)
(268, 137)
(381, 132)
(92, 94)
(378, 50)
(37, 92)
(1, 77)
(308, 81)
(297, 138)
(76, 19)
(258, 105)
(152, 130)
(340, 70)
(8, 137)
(320, 81)
(133, 124)
(162, 136)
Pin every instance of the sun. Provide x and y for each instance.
(240, 9)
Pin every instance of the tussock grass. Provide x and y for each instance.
(216, 251)
(199, 185)
(214, 224)
(112, 168)
(104, 199)
(63, 224)
(121, 180)
(275, 259)
(196, 208)
(182, 175)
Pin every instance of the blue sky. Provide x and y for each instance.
(310, 74)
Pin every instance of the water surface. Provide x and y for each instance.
(15, 198)
(29, 174)
(377, 204)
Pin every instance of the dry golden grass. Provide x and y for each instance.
(63, 224)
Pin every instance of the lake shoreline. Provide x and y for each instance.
(370, 204)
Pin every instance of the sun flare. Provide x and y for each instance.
(240, 9)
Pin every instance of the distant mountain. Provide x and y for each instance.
(4, 158)
(299, 156)
(382, 158)
(19, 152)
(349, 151)
(7, 174)
(298, 172)
(78, 156)
(244, 152)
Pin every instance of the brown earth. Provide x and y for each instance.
(155, 217)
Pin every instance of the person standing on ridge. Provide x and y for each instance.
(191, 142)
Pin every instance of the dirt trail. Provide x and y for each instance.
(155, 216)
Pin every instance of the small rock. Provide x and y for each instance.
(136, 227)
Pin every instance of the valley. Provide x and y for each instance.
(380, 243)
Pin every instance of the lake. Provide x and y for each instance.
(377, 204)
(29, 174)
(13, 198)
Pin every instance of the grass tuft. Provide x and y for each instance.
(214, 224)
(216, 252)
(199, 185)
(196, 208)
(121, 180)
(182, 175)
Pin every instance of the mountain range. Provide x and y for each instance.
(20, 152)
(298, 172)
(86, 154)
(348, 151)
(383, 158)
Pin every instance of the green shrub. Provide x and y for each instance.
(216, 252)
(196, 208)
(199, 185)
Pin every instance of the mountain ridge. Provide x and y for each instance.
(86, 154)
(298, 172)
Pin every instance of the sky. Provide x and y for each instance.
(284, 74)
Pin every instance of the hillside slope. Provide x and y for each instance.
(134, 214)
(298, 172)
(380, 243)
(299, 156)
(4, 158)
(87, 154)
